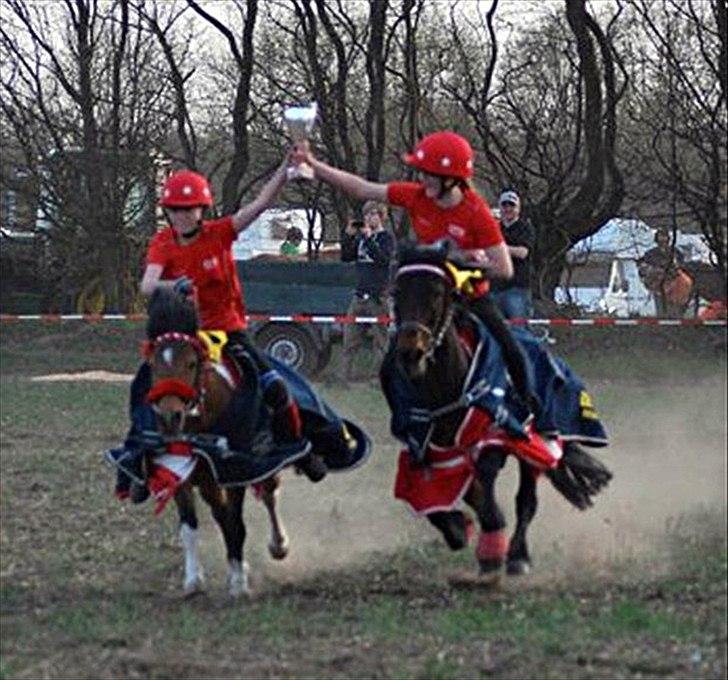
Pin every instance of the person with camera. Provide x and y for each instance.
(371, 247)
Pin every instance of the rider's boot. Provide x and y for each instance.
(287, 424)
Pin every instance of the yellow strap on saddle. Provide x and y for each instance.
(464, 278)
(214, 341)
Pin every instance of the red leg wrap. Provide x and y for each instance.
(492, 545)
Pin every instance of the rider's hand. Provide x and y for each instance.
(301, 153)
(184, 286)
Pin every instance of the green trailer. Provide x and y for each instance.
(285, 288)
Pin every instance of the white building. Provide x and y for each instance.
(265, 235)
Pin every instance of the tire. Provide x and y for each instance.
(324, 356)
(291, 345)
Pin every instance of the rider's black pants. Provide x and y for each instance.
(513, 354)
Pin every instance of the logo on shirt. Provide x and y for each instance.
(210, 263)
(455, 230)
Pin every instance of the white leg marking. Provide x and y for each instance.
(193, 581)
(238, 578)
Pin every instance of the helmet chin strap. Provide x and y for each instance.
(447, 184)
(187, 234)
(193, 232)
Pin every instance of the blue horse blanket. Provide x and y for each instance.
(249, 453)
(567, 409)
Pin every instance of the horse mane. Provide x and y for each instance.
(168, 312)
(412, 253)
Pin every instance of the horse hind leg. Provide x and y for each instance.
(238, 569)
(278, 545)
(518, 561)
(194, 580)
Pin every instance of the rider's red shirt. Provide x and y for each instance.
(470, 224)
(208, 261)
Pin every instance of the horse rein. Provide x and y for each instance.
(436, 335)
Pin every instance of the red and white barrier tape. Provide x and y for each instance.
(346, 319)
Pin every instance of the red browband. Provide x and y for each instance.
(148, 346)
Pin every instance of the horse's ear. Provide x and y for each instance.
(406, 251)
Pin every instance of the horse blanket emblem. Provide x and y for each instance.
(431, 479)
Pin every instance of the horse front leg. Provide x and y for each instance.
(278, 545)
(519, 561)
(227, 509)
(194, 581)
(493, 542)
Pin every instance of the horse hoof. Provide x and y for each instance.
(278, 551)
(239, 588)
(518, 567)
(138, 493)
(192, 588)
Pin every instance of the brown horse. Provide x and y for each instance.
(188, 395)
(425, 379)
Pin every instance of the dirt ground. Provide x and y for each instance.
(634, 587)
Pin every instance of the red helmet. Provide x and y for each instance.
(186, 189)
(443, 153)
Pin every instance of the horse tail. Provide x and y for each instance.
(579, 476)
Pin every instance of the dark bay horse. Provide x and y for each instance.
(188, 395)
(424, 379)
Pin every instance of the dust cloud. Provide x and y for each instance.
(667, 453)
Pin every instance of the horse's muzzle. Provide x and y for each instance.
(171, 421)
(413, 337)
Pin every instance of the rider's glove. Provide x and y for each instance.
(183, 286)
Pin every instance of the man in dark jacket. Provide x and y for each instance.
(372, 247)
(513, 296)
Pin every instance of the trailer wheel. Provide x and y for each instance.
(291, 345)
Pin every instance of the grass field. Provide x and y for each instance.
(633, 588)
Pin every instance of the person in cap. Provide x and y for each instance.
(443, 205)
(193, 256)
(513, 296)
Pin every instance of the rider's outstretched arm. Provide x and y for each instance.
(249, 211)
(351, 184)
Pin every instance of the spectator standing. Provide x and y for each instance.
(513, 296)
(292, 245)
(371, 246)
(661, 268)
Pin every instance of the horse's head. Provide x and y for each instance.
(176, 357)
(423, 310)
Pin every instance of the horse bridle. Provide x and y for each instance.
(191, 395)
(435, 335)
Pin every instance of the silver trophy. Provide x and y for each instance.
(299, 121)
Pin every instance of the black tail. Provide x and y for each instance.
(579, 476)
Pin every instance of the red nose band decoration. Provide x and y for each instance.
(171, 387)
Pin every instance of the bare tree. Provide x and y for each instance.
(85, 114)
(678, 148)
